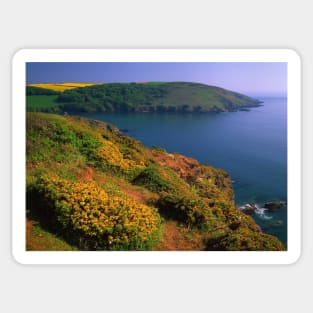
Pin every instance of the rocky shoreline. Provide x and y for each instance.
(250, 208)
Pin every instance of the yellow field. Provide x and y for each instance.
(63, 86)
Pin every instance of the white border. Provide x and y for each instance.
(156, 55)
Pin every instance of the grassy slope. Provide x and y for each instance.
(208, 97)
(39, 239)
(72, 162)
(174, 96)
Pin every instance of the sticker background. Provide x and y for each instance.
(138, 24)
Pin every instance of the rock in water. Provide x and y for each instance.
(274, 205)
(248, 208)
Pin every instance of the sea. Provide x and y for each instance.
(251, 145)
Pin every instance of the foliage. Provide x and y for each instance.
(148, 97)
(158, 149)
(151, 178)
(39, 91)
(78, 139)
(109, 154)
(245, 239)
(58, 135)
(94, 220)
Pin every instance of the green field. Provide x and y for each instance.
(42, 103)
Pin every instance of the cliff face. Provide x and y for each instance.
(99, 189)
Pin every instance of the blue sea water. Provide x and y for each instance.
(250, 145)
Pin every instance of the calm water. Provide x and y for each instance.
(251, 146)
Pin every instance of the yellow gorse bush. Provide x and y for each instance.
(110, 154)
(99, 220)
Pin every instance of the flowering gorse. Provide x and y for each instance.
(97, 219)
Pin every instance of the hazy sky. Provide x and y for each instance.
(250, 78)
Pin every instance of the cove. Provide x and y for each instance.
(250, 145)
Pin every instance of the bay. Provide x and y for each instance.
(250, 145)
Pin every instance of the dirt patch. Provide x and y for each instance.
(178, 238)
(28, 229)
(186, 168)
(87, 174)
(134, 194)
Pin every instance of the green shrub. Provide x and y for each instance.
(243, 239)
(151, 178)
(158, 149)
(189, 209)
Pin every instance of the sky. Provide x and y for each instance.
(250, 78)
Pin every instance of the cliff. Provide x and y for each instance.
(97, 189)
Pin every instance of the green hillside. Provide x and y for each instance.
(147, 97)
(89, 187)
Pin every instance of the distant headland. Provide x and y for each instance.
(183, 97)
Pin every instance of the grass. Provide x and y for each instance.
(38, 239)
(41, 103)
